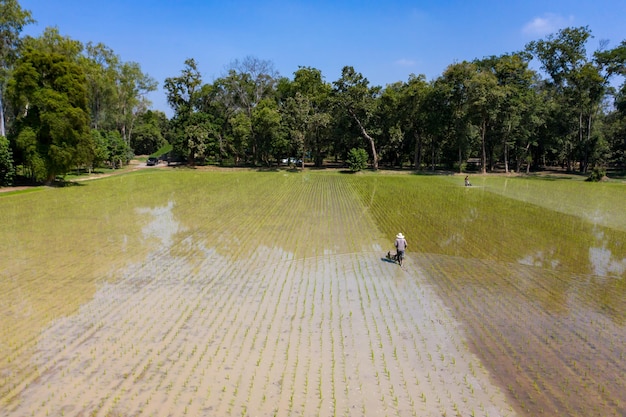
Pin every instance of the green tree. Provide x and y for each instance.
(414, 111)
(148, 134)
(485, 98)
(297, 115)
(520, 107)
(119, 152)
(7, 170)
(353, 95)
(52, 120)
(266, 121)
(132, 87)
(393, 124)
(578, 81)
(12, 20)
(183, 94)
(101, 148)
(248, 82)
(308, 113)
(101, 65)
(454, 89)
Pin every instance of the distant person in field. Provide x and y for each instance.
(400, 245)
(467, 182)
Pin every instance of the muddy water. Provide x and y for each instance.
(237, 295)
(539, 283)
(195, 293)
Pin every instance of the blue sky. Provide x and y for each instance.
(386, 41)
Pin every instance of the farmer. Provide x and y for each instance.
(400, 245)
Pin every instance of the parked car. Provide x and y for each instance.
(291, 161)
(152, 161)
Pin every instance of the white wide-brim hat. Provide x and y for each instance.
(400, 236)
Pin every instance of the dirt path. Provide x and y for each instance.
(134, 165)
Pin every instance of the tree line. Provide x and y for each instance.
(66, 105)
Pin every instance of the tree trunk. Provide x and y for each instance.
(417, 162)
(484, 151)
(432, 155)
(506, 149)
(2, 132)
(580, 143)
(369, 138)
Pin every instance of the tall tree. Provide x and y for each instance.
(485, 97)
(132, 87)
(183, 95)
(519, 107)
(307, 113)
(12, 20)
(266, 120)
(52, 120)
(414, 111)
(247, 83)
(353, 95)
(454, 88)
(148, 134)
(578, 80)
(101, 69)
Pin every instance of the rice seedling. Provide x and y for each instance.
(185, 299)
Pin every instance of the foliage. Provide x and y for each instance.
(12, 20)
(353, 95)
(52, 122)
(357, 159)
(118, 150)
(149, 132)
(597, 174)
(7, 170)
(496, 108)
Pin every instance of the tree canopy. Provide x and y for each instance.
(73, 105)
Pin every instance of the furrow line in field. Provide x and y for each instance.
(262, 325)
(272, 326)
(401, 395)
(263, 217)
(502, 353)
(293, 332)
(93, 320)
(551, 333)
(281, 362)
(220, 366)
(18, 357)
(202, 305)
(357, 340)
(55, 353)
(175, 321)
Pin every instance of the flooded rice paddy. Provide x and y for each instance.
(207, 293)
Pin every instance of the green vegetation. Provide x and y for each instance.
(357, 159)
(165, 149)
(7, 170)
(495, 113)
(278, 268)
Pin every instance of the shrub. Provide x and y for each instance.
(357, 159)
(597, 174)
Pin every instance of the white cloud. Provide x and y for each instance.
(546, 24)
(405, 62)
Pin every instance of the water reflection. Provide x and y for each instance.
(604, 264)
(542, 259)
(163, 224)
